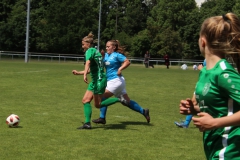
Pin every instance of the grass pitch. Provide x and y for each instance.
(47, 97)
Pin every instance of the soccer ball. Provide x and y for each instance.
(13, 120)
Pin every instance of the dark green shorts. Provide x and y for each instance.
(98, 87)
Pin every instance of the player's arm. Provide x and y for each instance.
(233, 120)
(196, 109)
(189, 106)
(124, 65)
(75, 72)
(200, 66)
(87, 68)
(207, 122)
(186, 107)
(194, 100)
(195, 103)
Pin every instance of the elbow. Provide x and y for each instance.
(128, 63)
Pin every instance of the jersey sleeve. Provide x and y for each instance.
(90, 54)
(229, 83)
(121, 58)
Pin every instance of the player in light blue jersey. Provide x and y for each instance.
(115, 61)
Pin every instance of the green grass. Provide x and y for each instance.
(47, 97)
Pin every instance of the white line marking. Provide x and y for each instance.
(121, 116)
(41, 113)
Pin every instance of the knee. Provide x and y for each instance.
(85, 100)
(97, 105)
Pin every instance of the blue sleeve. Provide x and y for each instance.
(121, 58)
(204, 63)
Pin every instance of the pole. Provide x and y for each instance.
(99, 24)
(27, 32)
(116, 20)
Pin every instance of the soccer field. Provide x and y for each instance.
(47, 98)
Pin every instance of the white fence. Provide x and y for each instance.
(41, 56)
(79, 58)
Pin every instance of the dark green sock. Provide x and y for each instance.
(109, 101)
(87, 112)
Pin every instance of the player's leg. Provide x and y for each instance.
(185, 123)
(109, 102)
(136, 107)
(114, 87)
(121, 91)
(188, 120)
(98, 91)
(87, 98)
(103, 110)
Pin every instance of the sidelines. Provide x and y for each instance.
(46, 70)
(80, 58)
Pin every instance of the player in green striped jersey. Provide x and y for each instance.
(97, 86)
(218, 89)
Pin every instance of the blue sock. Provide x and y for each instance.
(103, 110)
(134, 106)
(188, 119)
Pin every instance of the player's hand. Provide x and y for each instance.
(204, 122)
(200, 66)
(119, 73)
(85, 79)
(186, 106)
(75, 72)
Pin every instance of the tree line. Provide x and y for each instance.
(159, 26)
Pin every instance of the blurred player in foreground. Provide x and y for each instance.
(218, 89)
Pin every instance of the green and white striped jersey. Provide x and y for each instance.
(96, 64)
(218, 94)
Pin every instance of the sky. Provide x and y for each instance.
(199, 2)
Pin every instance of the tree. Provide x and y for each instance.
(215, 8)
(168, 19)
(236, 9)
(61, 29)
(5, 10)
(189, 34)
(140, 44)
(14, 28)
(160, 26)
(124, 16)
(135, 17)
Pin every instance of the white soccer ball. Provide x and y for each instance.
(13, 120)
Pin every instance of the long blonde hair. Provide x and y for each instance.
(223, 36)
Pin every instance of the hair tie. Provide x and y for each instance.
(225, 18)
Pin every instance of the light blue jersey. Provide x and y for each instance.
(112, 62)
(204, 63)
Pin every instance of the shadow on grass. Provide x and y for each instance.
(123, 125)
(190, 127)
(16, 127)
